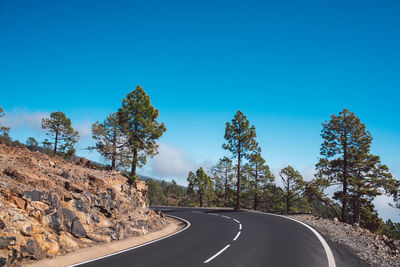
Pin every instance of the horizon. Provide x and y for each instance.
(287, 66)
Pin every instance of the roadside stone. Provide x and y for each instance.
(73, 187)
(77, 229)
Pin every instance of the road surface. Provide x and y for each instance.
(234, 238)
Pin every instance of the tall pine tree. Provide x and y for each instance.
(241, 142)
(138, 119)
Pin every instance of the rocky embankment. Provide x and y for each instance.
(377, 250)
(49, 206)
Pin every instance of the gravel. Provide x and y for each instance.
(373, 248)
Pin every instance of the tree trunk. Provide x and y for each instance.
(344, 196)
(225, 186)
(55, 143)
(238, 183)
(114, 152)
(134, 163)
(201, 199)
(256, 193)
(287, 196)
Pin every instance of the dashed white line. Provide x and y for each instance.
(240, 226)
(216, 255)
(196, 211)
(214, 214)
(225, 216)
(236, 220)
(236, 237)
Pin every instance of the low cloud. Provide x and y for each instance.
(19, 118)
(172, 163)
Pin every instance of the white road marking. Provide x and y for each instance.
(236, 220)
(240, 226)
(236, 237)
(328, 251)
(142, 245)
(216, 255)
(196, 211)
(214, 214)
(225, 216)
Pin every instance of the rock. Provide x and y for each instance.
(77, 229)
(34, 195)
(335, 220)
(27, 229)
(140, 186)
(19, 202)
(41, 215)
(67, 243)
(33, 248)
(5, 242)
(36, 209)
(73, 187)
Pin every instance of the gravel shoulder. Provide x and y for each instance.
(374, 249)
(101, 250)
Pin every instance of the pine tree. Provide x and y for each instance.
(345, 137)
(293, 186)
(4, 130)
(223, 174)
(110, 139)
(369, 178)
(200, 186)
(241, 142)
(259, 175)
(59, 128)
(32, 144)
(138, 119)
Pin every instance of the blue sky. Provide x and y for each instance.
(288, 65)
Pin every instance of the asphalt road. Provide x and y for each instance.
(234, 238)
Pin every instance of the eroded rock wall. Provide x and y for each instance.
(49, 206)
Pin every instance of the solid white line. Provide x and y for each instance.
(216, 255)
(225, 216)
(214, 214)
(240, 226)
(142, 245)
(236, 220)
(328, 251)
(236, 237)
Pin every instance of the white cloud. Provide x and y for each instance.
(384, 210)
(84, 129)
(172, 162)
(20, 118)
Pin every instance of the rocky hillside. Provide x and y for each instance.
(49, 206)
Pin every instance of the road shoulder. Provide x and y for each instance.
(97, 251)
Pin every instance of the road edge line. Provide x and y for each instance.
(138, 246)
(328, 251)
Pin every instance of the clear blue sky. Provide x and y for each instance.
(288, 65)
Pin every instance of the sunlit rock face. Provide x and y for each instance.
(49, 206)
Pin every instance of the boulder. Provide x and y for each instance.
(77, 229)
(27, 229)
(73, 187)
(66, 242)
(33, 249)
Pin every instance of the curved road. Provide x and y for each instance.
(234, 238)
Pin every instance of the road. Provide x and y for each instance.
(235, 238)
